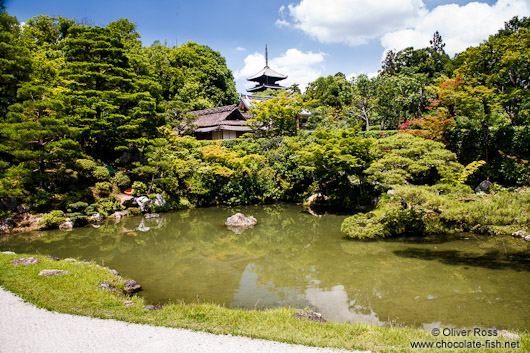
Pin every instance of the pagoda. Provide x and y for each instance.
(266, 78)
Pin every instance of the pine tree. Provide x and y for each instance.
(38, 139)
(103, 96)
(15, 64)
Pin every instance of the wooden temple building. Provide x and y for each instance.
(220, 123)
(228, 122)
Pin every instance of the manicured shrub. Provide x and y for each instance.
(78, 218)
(53, 219)
(100, 173)
(108, 205)
(77, 207)
(85, 164)
(104, 188)
(139, 188)
(122, 181)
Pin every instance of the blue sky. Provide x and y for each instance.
(306, 38)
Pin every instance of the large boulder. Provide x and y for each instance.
(143, 202)
(240, 220)
(159, 200)
(126, 200)
(6, 224)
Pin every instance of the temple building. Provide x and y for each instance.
(220, 123)
(229, 122)
(266, 78)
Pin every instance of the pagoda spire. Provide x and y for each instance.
(266, 78)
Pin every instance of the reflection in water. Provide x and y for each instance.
(294, 259)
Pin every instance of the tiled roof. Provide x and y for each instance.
(267, 71)
(217, 116)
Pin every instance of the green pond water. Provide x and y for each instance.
(294, 259)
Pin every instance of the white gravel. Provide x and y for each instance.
(26, 328)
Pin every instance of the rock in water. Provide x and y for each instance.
(520, 234)
(25, 261)
(131, 286)
(95, 218)
(143, 202)
(239, 220)
(48, 273)
(151, 215)
(159, 200)
(66, 226)
(115, 273)
(310, 315)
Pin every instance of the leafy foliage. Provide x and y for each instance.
(405, 159)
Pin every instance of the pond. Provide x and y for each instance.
(292, 258)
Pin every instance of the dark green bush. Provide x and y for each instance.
(77, 218)
(77, 207)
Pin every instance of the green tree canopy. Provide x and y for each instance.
(102, 95)
(15, 62)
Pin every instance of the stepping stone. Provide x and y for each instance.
(48, 273)
(25, 261)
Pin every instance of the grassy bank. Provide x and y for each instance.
(76, 293)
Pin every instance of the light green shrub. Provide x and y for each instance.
(122, 181)
(139, 188)
(53, 219)
(104, 188)
(100, 173)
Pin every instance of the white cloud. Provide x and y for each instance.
(353, 21)
(240, 49)
(300, 67)
(282, 23)
(369, 74)
(459, 26)
(401, 23)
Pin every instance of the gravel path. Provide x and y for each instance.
(25, 328)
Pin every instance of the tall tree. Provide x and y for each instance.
(38, 137)
(332, 91)
(437, 44)
(15, 62)
(503, 63)
(102, 94)
(364, 101)
(207, 81)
